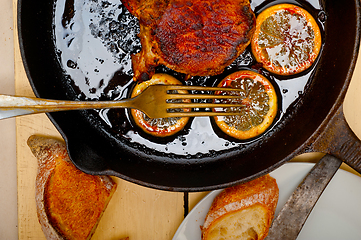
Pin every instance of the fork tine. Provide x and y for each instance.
(193, 109)
(202, 105)
(201, 114)
(185, 105)
(200, 96)
(197, 88)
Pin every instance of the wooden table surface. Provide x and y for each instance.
(135, 211)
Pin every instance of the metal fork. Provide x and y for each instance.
(156, 101)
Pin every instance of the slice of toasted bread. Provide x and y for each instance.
(69, 202)
(243, 212)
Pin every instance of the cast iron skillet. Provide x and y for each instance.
(316, 123)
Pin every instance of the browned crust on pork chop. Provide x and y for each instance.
(198, 38)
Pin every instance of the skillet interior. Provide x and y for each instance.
(95, 150)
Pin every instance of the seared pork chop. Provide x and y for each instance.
(198, 38)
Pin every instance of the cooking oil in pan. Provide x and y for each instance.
(96, 40)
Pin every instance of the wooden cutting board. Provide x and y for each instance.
(135, 211)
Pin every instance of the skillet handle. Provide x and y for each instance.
(339, 140)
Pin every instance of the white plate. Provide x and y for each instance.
(337, 214)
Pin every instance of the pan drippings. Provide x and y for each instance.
(96, 40)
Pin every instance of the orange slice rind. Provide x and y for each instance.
(158, 127)
(287, 39)
(260, 100)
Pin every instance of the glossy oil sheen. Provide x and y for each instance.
(96, 39)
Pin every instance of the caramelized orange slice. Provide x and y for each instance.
(287, 39)
(159, 127)
(260, 100)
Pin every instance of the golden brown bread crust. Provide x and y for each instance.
(262, 191)
(198, 38)
(69, 202)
